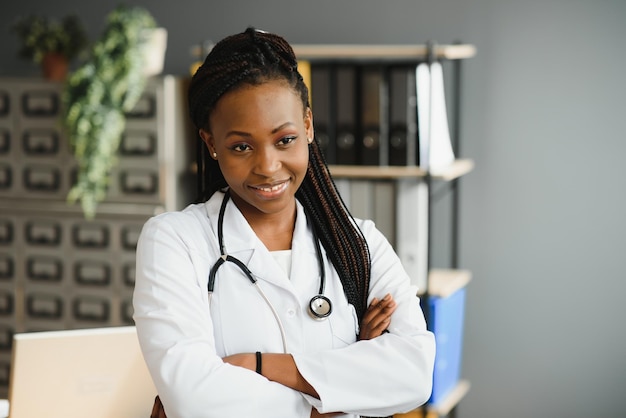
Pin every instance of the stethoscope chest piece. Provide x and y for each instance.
(320, 307)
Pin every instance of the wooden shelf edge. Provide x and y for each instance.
(454, 397)
(455, 170)
(442, 408)
(376, 172)
(381, 52)
(450, 172)
(444, 282)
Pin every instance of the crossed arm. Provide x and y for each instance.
(281, 368)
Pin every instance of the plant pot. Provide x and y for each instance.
(155, 52)
(54, 66)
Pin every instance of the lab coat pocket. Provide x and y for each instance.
(344, 326)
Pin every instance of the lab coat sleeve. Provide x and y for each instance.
(176, 335)
(388, 374)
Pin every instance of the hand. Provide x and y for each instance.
(377, 317)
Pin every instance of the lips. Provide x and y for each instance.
(270, 190)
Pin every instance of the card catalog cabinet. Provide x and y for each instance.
(57, 269)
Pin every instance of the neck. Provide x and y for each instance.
(275, 236)
(275, 230)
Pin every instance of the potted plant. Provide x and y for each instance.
(50, 43)
(98, 95)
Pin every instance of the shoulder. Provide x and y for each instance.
(379, 246)
(370, 232)
(195, 216)
(189, 224)
(191, 216)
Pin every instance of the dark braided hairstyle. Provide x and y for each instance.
(252, 58)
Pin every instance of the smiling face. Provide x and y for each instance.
(260, 135)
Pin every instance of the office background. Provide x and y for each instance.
(542, 215)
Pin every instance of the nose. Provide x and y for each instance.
(267, 161)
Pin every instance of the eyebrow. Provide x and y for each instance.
(241, 133)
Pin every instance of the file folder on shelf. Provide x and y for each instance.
(435, 147)
(373, 100)
(402, 116)
(321, 105)
(346, 115)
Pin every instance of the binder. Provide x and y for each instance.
(373, 132)
(322, 109)
(345, 99)
(412, 229)
(435, 147)
(384, 209)
(361, 199)
(402, 116)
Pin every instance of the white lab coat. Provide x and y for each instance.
(184, 337)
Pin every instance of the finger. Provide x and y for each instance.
(386, 306)
(376, 322)
(380, 314)
(383, 302)
(374, 330)
(370, 312)
(380, 328)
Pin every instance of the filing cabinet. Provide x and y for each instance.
(59, 270)
(154, 158)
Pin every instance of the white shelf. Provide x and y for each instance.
(457, 169)
(314, 52)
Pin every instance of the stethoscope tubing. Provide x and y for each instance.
(320, 307)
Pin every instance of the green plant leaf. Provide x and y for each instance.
(98, 95)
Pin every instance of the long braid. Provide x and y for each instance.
(255, 57)
(342, 239)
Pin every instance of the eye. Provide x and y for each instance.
(240, 147)
(286, 140)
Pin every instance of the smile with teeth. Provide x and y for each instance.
(270, 189)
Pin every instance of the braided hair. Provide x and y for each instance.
(252, 58)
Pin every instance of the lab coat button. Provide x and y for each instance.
(291, 312)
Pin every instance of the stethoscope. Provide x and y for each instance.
(320, 306)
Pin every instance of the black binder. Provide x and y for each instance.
(372, 97)
(403, 141)
(345, 99)
(321, 105)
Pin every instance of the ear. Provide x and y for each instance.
(207, 138)
(308, 123)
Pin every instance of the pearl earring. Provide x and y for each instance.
(214, 155)
(310, 140)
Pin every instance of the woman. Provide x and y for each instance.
(268, 299)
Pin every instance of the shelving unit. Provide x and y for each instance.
(412, 187)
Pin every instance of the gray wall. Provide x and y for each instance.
(542, 223)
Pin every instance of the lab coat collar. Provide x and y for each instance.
(241, 242)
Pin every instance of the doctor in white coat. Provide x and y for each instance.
(268, 299)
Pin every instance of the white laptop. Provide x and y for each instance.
(95, 373)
